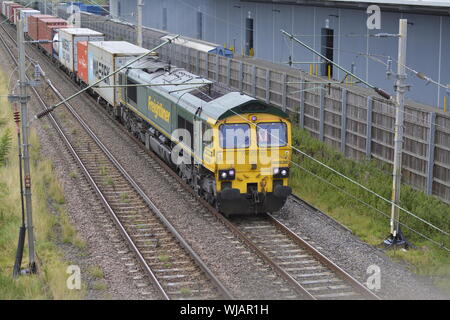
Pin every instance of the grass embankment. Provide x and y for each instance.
(50, 219)
(367, 223)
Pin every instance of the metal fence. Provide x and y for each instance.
(356, 123)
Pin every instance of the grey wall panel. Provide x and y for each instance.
(303, 28)
(423, 55)
(352, 40)
(224, 23)
(281, 46)
(210, 21)
(264, 32)
(445, 62)
(236, 24)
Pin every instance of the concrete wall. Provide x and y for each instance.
(224, 23)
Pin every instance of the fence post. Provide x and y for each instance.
(197, 62)
(241, 76)
(430, 163)
(284, 92)
(302, 103)
(254, 80)
(369, 127)
(267, 85)
(343, 120)
(229, 72)
(322, 112)
(206, 65)
(217, 67)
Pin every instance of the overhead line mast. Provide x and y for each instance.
(396, 237)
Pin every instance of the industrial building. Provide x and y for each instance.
(338, 29)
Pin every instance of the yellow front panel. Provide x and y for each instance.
(253, 164)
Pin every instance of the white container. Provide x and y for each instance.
(69, 37)
(105, 57)
(4, 7)
(24, 14)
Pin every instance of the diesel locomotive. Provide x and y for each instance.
(234, 150)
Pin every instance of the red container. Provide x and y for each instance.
(10, 11)
(17, 14)
(48, 34)
(82, 72)
(33, 24)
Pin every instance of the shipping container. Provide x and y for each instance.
(48, 32)
(24, 14)
(4, 3)
(10, 11)
(6, 8)
(45, 34)
(68, 49)
(82, 71)
(17, 12)
(33, 24)
(105, 57)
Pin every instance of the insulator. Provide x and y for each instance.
(16, 116)
(389, 68)
(420, 75)
(37, 72)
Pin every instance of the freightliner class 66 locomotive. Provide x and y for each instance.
(233, 149)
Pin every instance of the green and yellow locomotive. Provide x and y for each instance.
(233, 149)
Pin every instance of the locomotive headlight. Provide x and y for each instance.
(280, 172)
(228, 174)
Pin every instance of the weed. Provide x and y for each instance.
(96, 272)
(364, 213)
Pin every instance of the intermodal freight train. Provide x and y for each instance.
(233, 150)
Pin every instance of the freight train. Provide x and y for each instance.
(234, 150)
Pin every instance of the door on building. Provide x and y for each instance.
(327, 40)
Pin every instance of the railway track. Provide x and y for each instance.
(318, 277)
(307, 273)
(167, 259)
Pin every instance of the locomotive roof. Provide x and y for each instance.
(197, 92)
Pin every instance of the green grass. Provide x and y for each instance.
(164, 258)
(96, 272)
(48, 214)
(99, 285)
(366, 221)
(124, 197)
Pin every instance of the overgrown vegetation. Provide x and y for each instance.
(48, 214)
(363, 212)
(5, 143)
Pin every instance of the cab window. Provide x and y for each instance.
(272, 134)
(234, 135)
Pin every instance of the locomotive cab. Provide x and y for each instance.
(253, 143)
